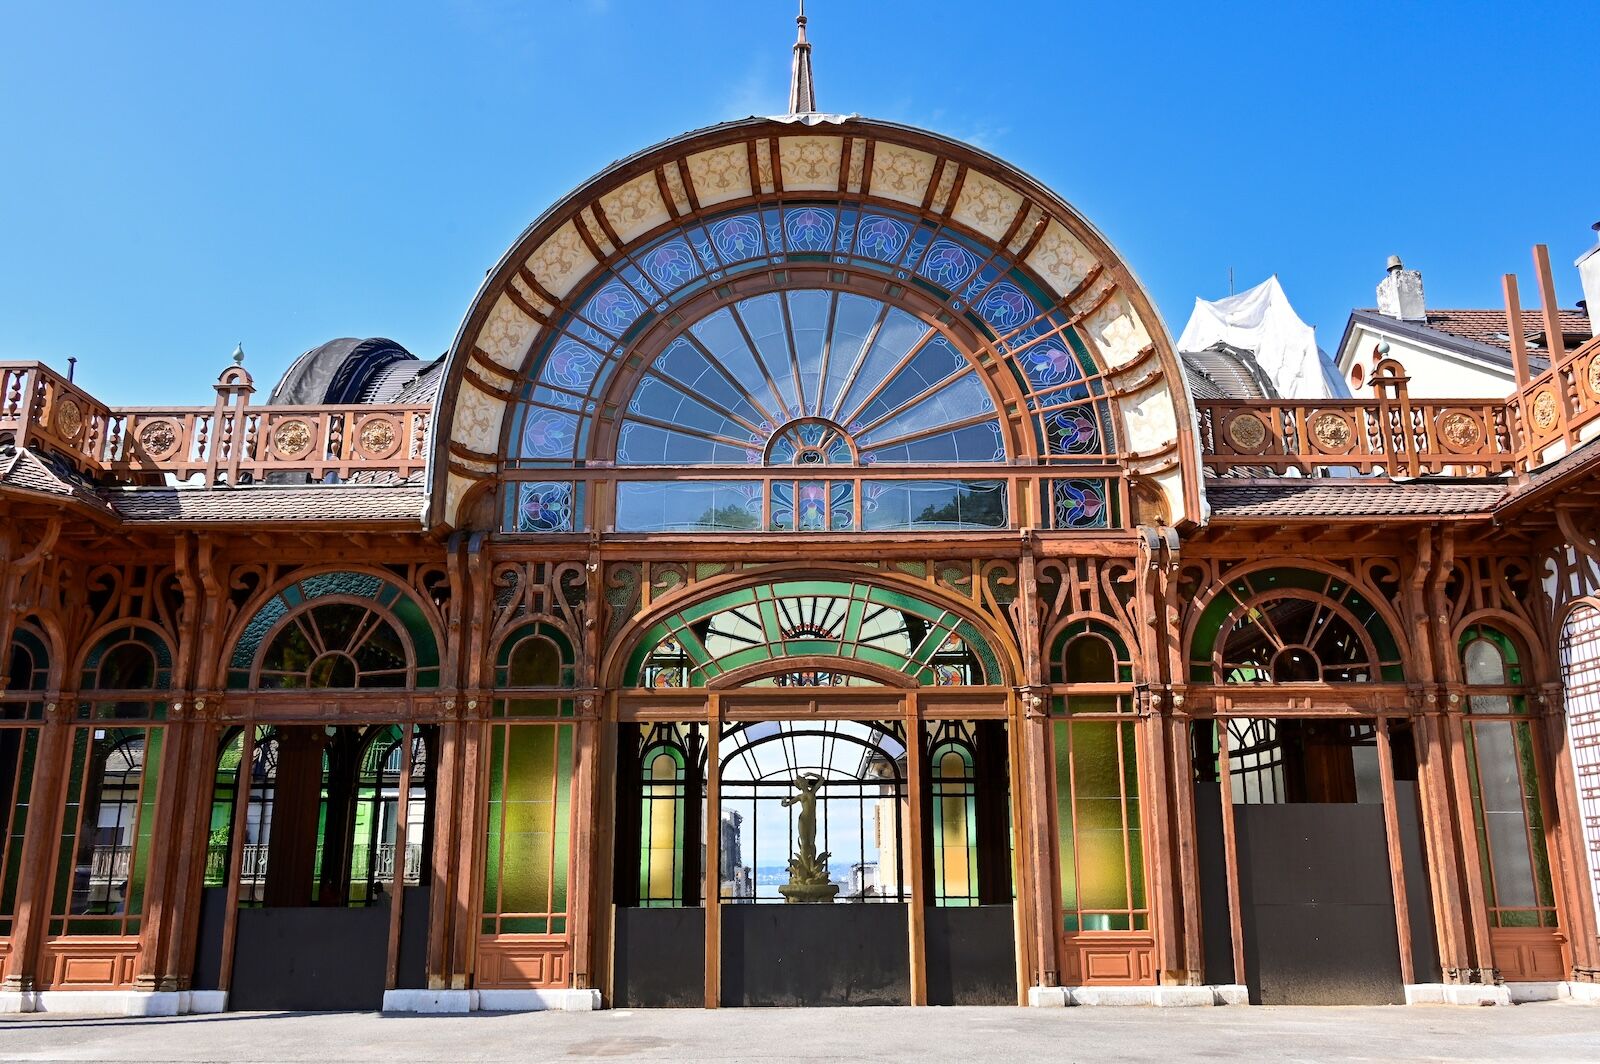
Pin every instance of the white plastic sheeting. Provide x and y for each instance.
(1262, 322)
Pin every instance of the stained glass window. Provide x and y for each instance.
(828, 368)
(955, 824)
(830, 623)
(1293, 626)
(527, 840)
(1097, 815)
(336, 630)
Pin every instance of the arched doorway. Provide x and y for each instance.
(812, 800)
(1312, 870)
(318, 865)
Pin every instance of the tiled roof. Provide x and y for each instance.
(27, 469)
(1492, 327)
(1349, 497)
(267, 502)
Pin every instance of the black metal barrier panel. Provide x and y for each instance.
(971, 955)
(208, 939)
(411, 970)
(315, 959)
(660, 958)
(1216, 926)
(1317, 905)
(840, 954)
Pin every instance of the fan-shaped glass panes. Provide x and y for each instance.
(810, 634)
(809, 377)
(830, 367)
(336, 630)
(1293, 626)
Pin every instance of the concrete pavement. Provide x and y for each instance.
(1546, 1032)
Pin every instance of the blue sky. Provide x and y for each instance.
(181, 176)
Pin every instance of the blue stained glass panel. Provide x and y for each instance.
(737, 238)
(882, 238)
(974, 443)
(948, 264)
(671, 264)
(809, 229)
(549, 433)
(1006, 307)
(1073, 430)
(571, 365)
(1081, 503)
(613, 308)
(544, 507)
(961, 399)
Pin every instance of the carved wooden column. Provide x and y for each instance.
(1034, 777)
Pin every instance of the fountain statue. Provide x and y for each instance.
(808, 872)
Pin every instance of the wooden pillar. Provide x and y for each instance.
(1441, 844)
(398, 884)
(916, 857)
(241, 811)
(52, 761)
(1397, 872)
(1566, 821)
(200, 774)
(468, 853)
(580, 918)
(713, 869)
(1230, 849)
(446, 838)
(1186, 853)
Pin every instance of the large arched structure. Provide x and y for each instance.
(614, 315)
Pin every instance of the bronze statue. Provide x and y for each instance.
(808, 872)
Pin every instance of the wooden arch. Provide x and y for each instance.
(861, 163)
(626, 643)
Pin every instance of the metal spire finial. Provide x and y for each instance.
(238, 354)
(802, 87)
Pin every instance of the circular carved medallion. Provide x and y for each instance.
(1332, 431)
(1246, 432)
(1460, 430)
(377, 437)
(292, 439)
(158, 438)
(1544, 410)
(69, 418)
(1594, 376)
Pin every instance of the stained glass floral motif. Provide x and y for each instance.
(1081, 503)
(545, 507)
(809, 229)
(737, 238)
(671, 264)
(613, 308)
(1006, 307)
(1072, 431)
(548, 434)
(882, 238)
(949, 264)
(812, 506)
(572, 365)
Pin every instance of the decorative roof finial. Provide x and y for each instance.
(238, 354)
(802, 88)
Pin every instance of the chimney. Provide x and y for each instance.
(1400, 293)
(1589, 274)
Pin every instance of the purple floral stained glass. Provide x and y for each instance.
(737, 238)
(808, 229)
(545, 507)
(670, 265)
(572, 365)
(1006, 307)
(614, 308)
(548, 434)
(882, 238)
(1049, 362)
(1072, 432)
(948, 264)
(1080, 503)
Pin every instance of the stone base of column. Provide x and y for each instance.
(115, 1002)
(1457, 994)
(459, 1001)
(1157, 996)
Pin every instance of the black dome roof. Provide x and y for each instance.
(347, 370)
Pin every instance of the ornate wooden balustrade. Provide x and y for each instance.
(230, 442)
(1389, 433)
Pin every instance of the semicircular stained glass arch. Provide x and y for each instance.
(1284, 625)
(803, 375)
(363, 643)
(833, 624)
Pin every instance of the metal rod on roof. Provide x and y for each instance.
(72, 367)
(1519, 341)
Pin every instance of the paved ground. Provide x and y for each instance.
(1544, 1032)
